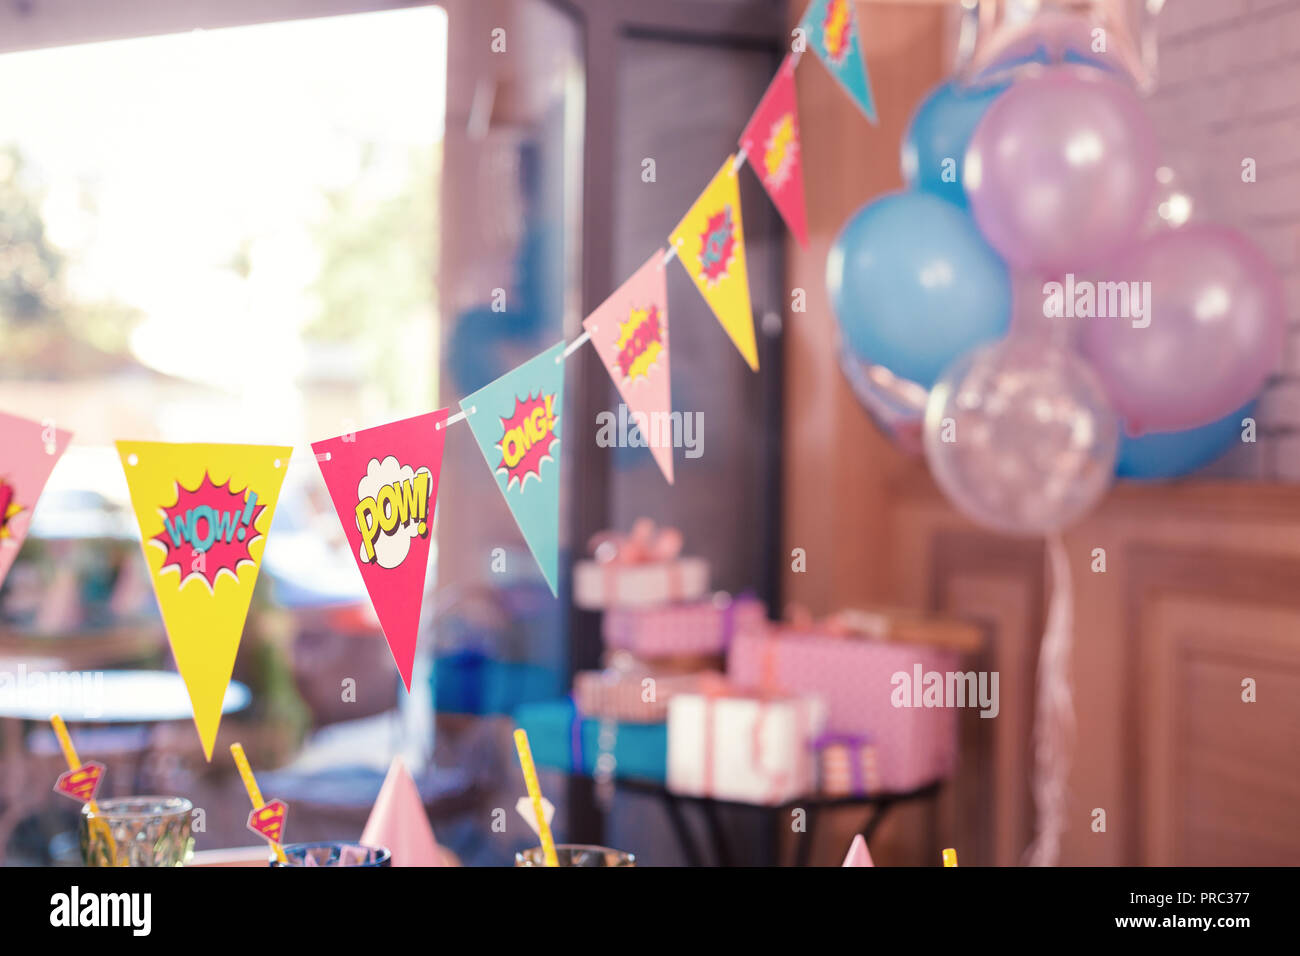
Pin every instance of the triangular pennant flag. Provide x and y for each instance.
(630, 334)
(28, 452)
(204, 513)
(398, 821)
(831, 27)
(710, 242)
(516, 422)
(858, 854)
(384, 485)
(773, 148)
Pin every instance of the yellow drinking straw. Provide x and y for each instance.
(535, 794)
(950, 857)
(74, 763)
(254, 793)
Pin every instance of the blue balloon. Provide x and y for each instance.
(1161, 455)
(914, 285)
(940, 129)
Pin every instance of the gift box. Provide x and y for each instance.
(846, 765)
(643, 568)
(742, 746)
(696, 628)
(563, 740)
(855, 675)
(636, 694)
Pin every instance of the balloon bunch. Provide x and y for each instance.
(1040, 172)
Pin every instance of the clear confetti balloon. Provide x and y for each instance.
(1020, 436)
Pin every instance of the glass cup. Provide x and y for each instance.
(333, 853)
(576, 854)
(137, 831)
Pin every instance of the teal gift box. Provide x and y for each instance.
(560, 741)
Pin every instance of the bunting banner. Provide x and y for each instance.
(204, 513)
(383, 482)
(516, 422)
(28, 453)
(772, 147)
(630, 333)
(831, 27)
(710, 242)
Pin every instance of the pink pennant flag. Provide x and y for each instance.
(398, 821)
(773, 148)
(384, 485)
(630, 333)
(28, 453)
(859, 855)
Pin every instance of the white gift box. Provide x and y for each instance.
(742, 746)
(646, 584)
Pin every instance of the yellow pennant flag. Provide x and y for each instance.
(204, 513)
(710, 242)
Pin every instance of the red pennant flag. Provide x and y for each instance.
(268, 820)
(81, 784)
(772, 147)
(630, 333)
(384, 484)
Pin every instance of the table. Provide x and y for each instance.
(106, 697)
(124, 699)
(775, 817)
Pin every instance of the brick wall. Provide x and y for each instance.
(1229, 90)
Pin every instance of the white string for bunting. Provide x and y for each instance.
(669, 255)
(573, 346)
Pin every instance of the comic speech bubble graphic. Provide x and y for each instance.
(393, 508)
(526, 438)
(717, 245)
(639, 343)
(208, 531)
(838, 30)
(779, 152)
(8, 507)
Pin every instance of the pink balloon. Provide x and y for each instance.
(1215, 333)
(1060, 170)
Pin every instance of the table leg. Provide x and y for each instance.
(682, 830)
(721, 850)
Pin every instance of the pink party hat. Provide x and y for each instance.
(398, 822)
(859, 855)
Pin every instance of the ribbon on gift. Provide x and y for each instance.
(715, 689)
(857, 748)
(646, 543)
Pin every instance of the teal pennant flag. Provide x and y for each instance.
(516, 422)
(831, 27)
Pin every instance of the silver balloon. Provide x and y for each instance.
(1020, 436)
(896, 405)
